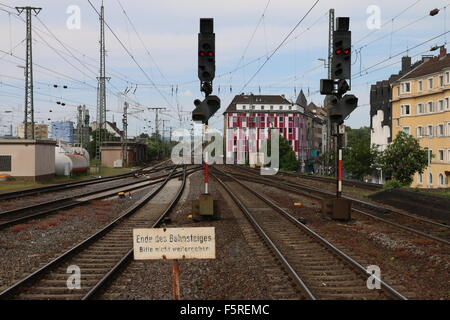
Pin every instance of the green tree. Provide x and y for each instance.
(359, 156)
(93, 144)
(288, 160)
(403, 158)
(328, 160)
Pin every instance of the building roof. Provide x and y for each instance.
(301, 99)
(258, 99)
(433, 65)
(26, 141)
(114, 127)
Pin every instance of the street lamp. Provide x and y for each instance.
(324, 62)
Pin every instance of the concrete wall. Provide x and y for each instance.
(111, 154)
(44, 159)
(30, 159)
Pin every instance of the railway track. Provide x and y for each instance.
(20, 215)
(100, 257)
(74, 184)
(320, 270)
(348, 183)
(429, 229)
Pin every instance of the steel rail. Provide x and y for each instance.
(346, 258)
(74, 203)
(306, 191)
(73, 184)
(34, 276)
(296, 277)
(71, 197)
(127, 257)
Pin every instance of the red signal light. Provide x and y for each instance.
(338, 51)
(202, 53)
(347, 51)
(211, 54)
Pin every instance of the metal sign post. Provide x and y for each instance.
(206, 163)
(175, 280)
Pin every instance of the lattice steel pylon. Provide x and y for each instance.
(28, 122)
(101, 93)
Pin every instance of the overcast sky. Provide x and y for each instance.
(169, 31)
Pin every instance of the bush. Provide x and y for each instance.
(392, 184)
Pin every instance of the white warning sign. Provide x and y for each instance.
(174, 243)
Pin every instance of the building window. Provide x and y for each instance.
(430, 83)
(420, 108)
(441, 81)
(419, 132)
(440, 130)
(441, 105)
(281, 107)
(430, 131)
(290, 130)
(441, 155)
(5, 163)
(419, 85)
(243, 107)
(405, 109)
(420, 179)
(406, 87)
(430, 179)
(430, 107)
(406, 130)
(448, 155)
(262, 107)
(447, 77)
(441, 179)
(290, 107)
(253, 107)
(280, 119)
(271, 107)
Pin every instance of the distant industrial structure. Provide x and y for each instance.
(40, 131)
(63, 130)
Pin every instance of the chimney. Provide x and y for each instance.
(426, 58)
(406, 64)
(442, 52)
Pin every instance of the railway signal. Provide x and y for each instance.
(205, 109)
(338, 104)
(206, 72)
(340, 108)
(341, 61)
(206, 51)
